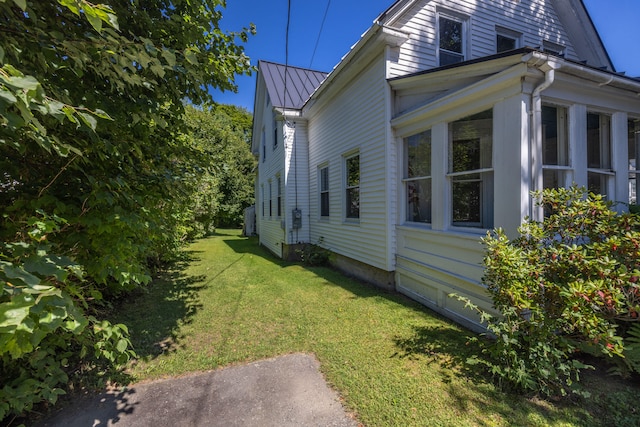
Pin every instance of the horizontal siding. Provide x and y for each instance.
(296, 181)
(353, 121)
(268, 227)
(535, 19)
(431, 265)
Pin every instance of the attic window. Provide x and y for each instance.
(553, 48)
(507, 39)
(451, 42)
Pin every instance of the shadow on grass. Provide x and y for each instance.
(154, 314)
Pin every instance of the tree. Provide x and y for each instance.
(95, 177)
(223, 135)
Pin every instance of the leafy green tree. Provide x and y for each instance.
(222, 134)
(95, 177)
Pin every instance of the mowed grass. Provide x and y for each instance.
(394, 362)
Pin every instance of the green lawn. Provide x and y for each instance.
(394, 362)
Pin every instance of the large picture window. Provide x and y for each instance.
(352, 186)
(451, 40)
(323, 178)
(470, 170)
(599, 153)
(555, 147)
(417, 179)
(634, 160)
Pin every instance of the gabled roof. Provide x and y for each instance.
(289, 87)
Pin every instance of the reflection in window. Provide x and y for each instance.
(598, 153)
(324, 191)
(352, 187)
(470, 170)
(451, 34)
(555, 147)
(634, 160)
(418, 177)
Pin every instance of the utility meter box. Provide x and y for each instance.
(297, 219)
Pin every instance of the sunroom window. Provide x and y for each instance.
(555, 147)
(418, 177)
(324, 191)
(451, 40)
(471, 171)
(634, 160)
(599, 173)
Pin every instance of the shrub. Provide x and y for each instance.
(567, 285)
(314, 255)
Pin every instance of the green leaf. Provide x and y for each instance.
(13, 312)
(7, 96)
(93, 18)
(72, 5)
(22, 4)
(15, 272)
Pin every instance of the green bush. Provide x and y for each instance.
(565, 287)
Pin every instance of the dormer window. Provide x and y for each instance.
(451, 40)
(507, 39)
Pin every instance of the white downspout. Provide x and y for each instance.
(535, 143)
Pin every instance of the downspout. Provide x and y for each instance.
(535, 141)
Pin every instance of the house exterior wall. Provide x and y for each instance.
(535, 20)
(296, 180)
(270, 168)
(353, 123)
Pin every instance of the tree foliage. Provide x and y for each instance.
(567, 286)
(222, 135)
(95, 175)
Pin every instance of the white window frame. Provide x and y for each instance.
(348, 188)
(408, 180)
(510, 34)
(634, 163)
(564, 164)
(605, 148)
(323, 191)
(487, 196)
(270, 199)
(464, 33)
(279, 196)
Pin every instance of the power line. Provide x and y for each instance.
(315, 48)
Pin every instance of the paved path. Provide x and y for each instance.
(285, 391)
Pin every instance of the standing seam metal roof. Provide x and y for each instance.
(300, 83)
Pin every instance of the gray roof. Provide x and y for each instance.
(300, 83)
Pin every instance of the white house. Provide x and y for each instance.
(434, 128)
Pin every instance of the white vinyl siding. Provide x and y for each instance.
(355, 121)
(536, 20)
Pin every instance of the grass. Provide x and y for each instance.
(394, 362)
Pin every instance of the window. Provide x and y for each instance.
(270, 199)
(470, 170)
(418, 177)
(279, 192)
(634, 160)
(352, 186)
(275, 134)
(264, 146)
(451, 40)
(553, 48)
(324, 191)
(507, 39)
(555, 147)
(599, 171)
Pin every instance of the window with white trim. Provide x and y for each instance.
(323, 179)
(634, 159)
(279, 193)
(417, 177)
(599, 173)
(556, 169)
(507, 39)
(451, 40)
(264, 145)
(262, 198)
(471, 170)
(352, 186)
(275, 133)
(270, 199)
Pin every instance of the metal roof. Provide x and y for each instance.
(300, 83)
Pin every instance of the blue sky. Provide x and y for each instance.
(616, 21)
